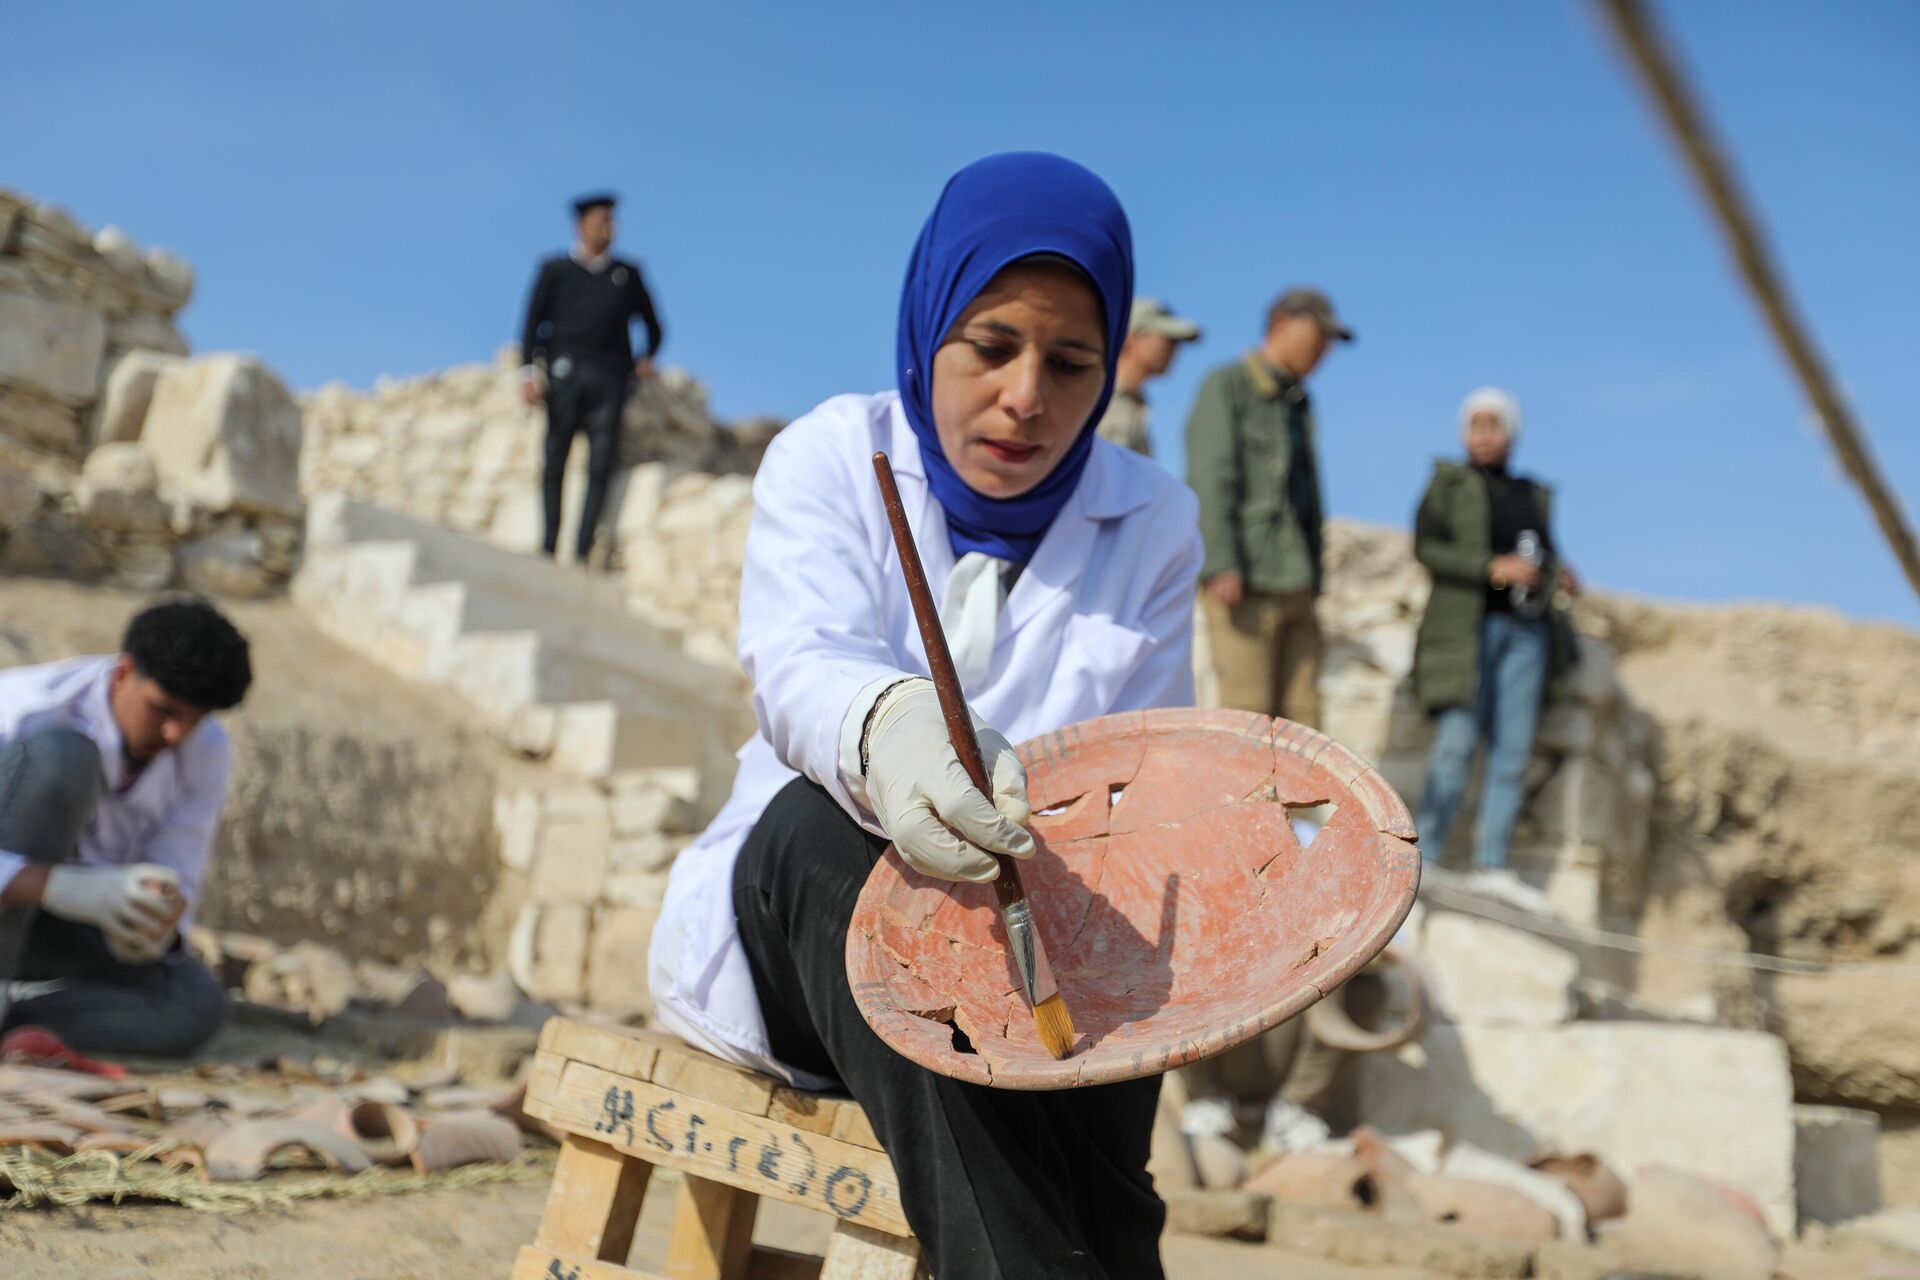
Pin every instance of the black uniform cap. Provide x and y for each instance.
(594, 200)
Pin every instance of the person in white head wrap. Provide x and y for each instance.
(1494, 635)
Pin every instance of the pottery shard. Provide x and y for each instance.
(468, 1137)
(1696, 1227)
(1499, 1213)
(241, 1153)
(225, 434)
(1324, 1179)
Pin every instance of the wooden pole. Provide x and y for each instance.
(1686, 122)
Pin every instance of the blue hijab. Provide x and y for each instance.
(992, 213)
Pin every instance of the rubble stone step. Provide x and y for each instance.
(545, 653)
(536, 589)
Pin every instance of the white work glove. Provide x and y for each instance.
(921, 794)
(136, 907)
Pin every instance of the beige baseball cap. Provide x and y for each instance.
(1150, 315)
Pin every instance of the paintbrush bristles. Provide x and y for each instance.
(1055, 1025)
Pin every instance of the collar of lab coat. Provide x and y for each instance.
(96, 714)
(1109, 488)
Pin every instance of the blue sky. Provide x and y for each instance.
(364, 189)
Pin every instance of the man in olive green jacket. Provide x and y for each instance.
(1250, 458)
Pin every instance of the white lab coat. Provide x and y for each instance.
(1099, 621)
(167, 815)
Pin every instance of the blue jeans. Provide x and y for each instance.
(1514, 654)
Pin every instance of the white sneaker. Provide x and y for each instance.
(1503, 886)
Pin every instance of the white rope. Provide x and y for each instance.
(1567, 931)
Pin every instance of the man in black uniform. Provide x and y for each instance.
(579, 319)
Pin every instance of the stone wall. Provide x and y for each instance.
(73, 306)
(119, 457)
(460, 448)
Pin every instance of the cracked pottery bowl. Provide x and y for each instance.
(1180, 912)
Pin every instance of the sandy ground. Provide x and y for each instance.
(445, 1235)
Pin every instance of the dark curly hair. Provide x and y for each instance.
(188, 648)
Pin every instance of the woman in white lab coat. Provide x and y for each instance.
(1067, 569)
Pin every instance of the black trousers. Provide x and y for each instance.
(997, 1184)
(50, 784)
(589, 397)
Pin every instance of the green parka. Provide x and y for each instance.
(1240, 458)
(1452, 539)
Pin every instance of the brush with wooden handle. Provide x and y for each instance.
(1050, 1015)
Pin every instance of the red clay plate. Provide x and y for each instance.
(1181, 915)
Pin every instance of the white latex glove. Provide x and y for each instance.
(127, 904)
(922, 796)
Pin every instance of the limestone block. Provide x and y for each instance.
(145, 331)
(571, 858)
(123, 408)
(636, 500)
(617, 962)
(230, 563)
(52, 347)
(1595, 679)
(635, 888)
(728, 494)
(19, 498)
(118, 248)
(680, 781)
(531, 731)
(354, 453)
(117, 491)
(1836, 1166)
(449, 431)
(30, 416)
(141, 566)
(1580, 802)
(639, 813)
(1709, 1100)
(652, 851)
(493, 450)
(1487, 973)
(170, 276)
(551, 950)
(517, 522)
(1567, 728)
(516, 821)
(224, 432)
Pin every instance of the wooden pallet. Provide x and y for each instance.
(629, 1100)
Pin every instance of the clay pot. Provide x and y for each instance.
(1483, 1209)
(1323, 1179)
(1676, 1221)
(1382, 1007)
